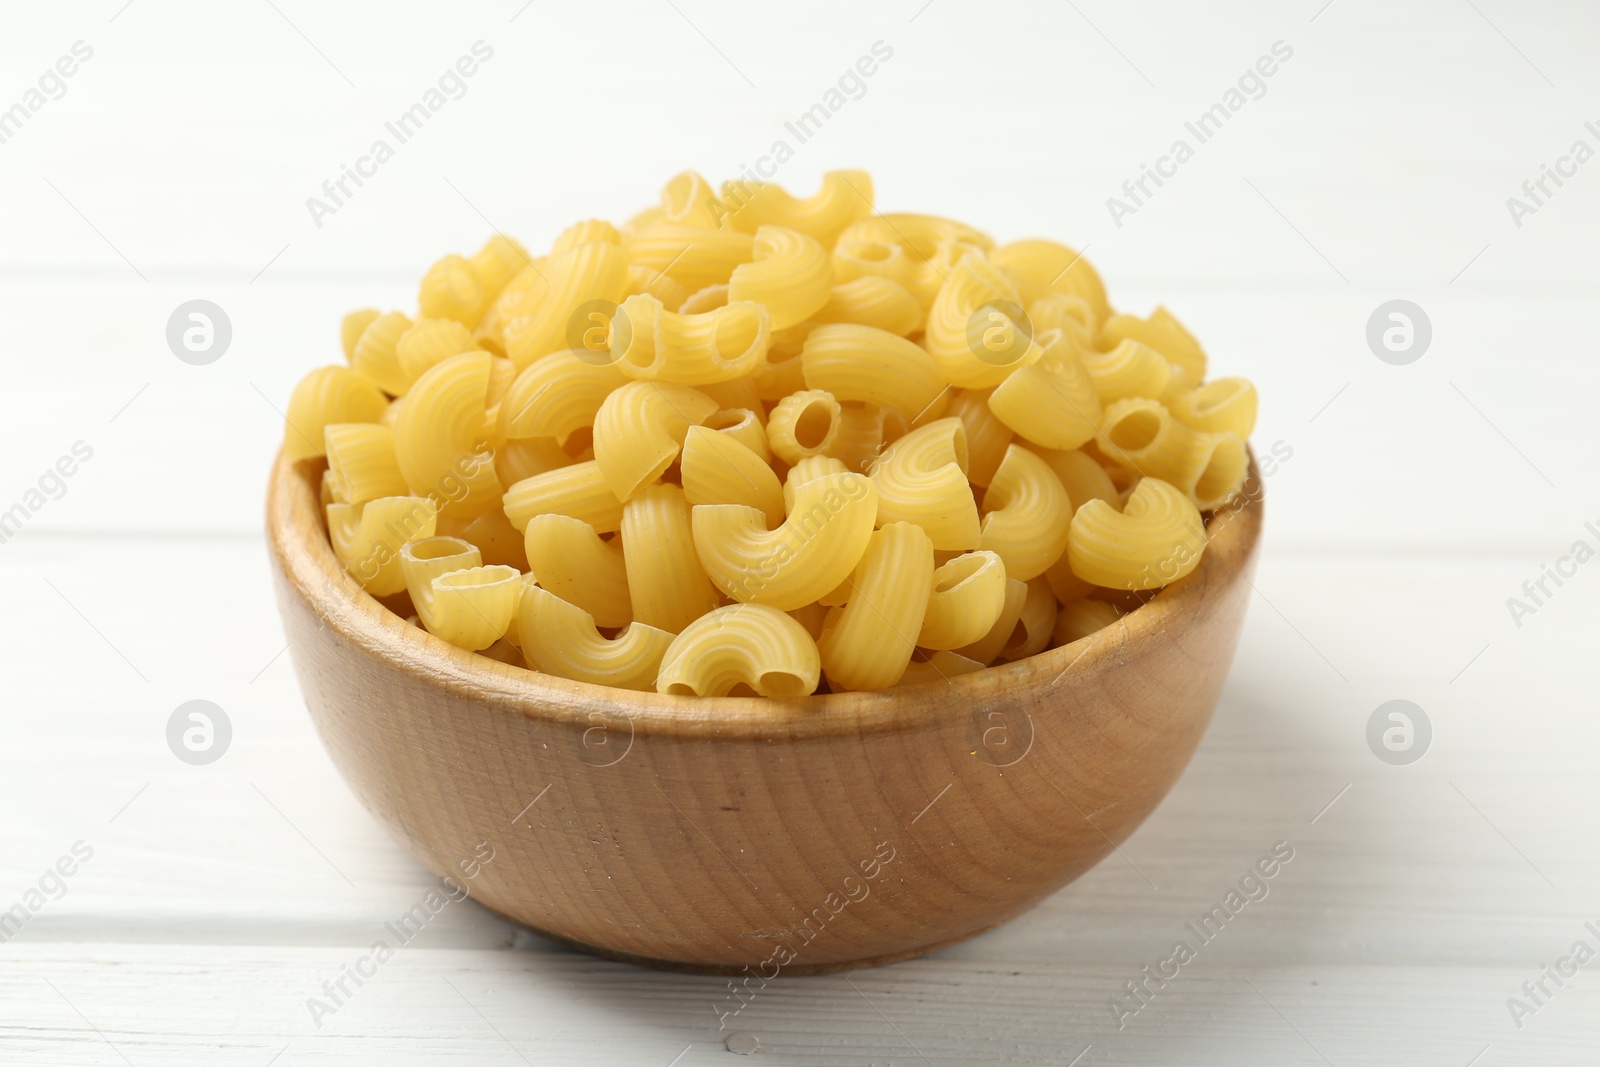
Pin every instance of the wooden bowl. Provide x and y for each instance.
(741, 835)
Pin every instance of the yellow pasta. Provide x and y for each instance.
(814, 549)
(845, 196)
(520, 458)
(987, 437)
(965, 601)
(1162, 332)
(977, 332)
(1143, 436)
(1035, 624)
(650, 343)
(427, 558)
(689, 200)
(876, 301)
(667, 582)
(1080, 618)
(987, 648)
(326, 396)
(803, 424)
(857, 258)
(744, 424)
(439, 434)
(922, 479)
(809, 469)
(641, 281)
(578, 490)
(718, 469)
(451, 290)
(428, 342)
(470, 608)
(693, 256)
(1052, 403)
(939, 667)
(701, 301)
(639, 431)
(919, 235)
(1155, 539)
(562, 639)
(1026, 515)
(549, 317)
(872, 366)
(741, 650)
(1052, 266)
(556, 395)
(1132, 368)
(568, 558)
(352, 326)
(789, 273)
(498, 541)
(494, 265)
(368, 537)
(864, 432)
(585, 232)
(871, 641)
(1227, 405)
(361, 462)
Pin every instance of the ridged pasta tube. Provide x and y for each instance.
(790, 274)
(1162, 332)
(1080, 618)
(361, 462)
(439, 437)
(1052, 403)
(977, 332)
(872, 366)
(815, 548)
(803, 424)
(718, 469)
(562, 639)
(987, 648)
(471, 608)
(639, 431)
(966, 599)
(327, 395)
(451, 290)
(1132, 368)
(428, 342)
(1035, 623)
(368, 537)
(876, 301)
(650, 343)
(689, 200)
(1026, 512)
(845, 196)
(555, 395)
(741, 649)
(1142, 435)
(921, 478)
(1053, 266)
(593, 272)
(1157, 538)
(667, 582)
(574, 563)
(1227, 405)
(579, 490)
(693, 256)
(871, 641)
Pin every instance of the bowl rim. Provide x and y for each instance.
(308, 569)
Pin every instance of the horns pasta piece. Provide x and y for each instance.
(692, 256)
(741, 649)
(325, 396)
(639, 431)
(546, 319)
(845, 196)
(1227, 405)
(1078, 619)
(361, 462)
(1155, 539)
(562, 639)
(1053, 266)
(439, 436)
(1026, 512)
(1162, 332)
(718, 469)
(809, 554)
(876, 301)
(578, 490)
(352, 326)
(922, 479)
(977, 331)
(790, 274)
(556, 395)
(869, 643)
(650, 343)
(1142, 435)
(368, 538)
(576, 564)
(965, 601)
(667, 582)
(872, 366)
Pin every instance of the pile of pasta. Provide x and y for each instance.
(755, 444)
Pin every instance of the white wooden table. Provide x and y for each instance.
(1418, 498)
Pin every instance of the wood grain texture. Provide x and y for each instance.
(737, 833)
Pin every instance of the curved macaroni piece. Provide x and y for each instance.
(428, 342)
(922, 479)
(845, 196)
(375, 356)
(1157, 538)
(1083, 478)
(499, 541)
(513, 296)
(1080, 618)
(876, 302)
(438, 433)
(578, 490)
(987, 437)
(361, 462)
(865, 258)
(544, 320)
(368, 537)
(556, 395)
(1227, 405)
(352, 326)
(471, 608)
(718, 469)
(639, 431)
(803, 424)
(1132, 368)
(642, 280)
(1162, 332)
(328, 395)
(870, 643)
(521, 458)
(562, 639)
(967, 596)
(867, 365)
(744, 423)
(977, 332)
(1072, 315)
(1027, 513)
(426, 558)
(1053, 266)
(809, 470)
(451, 290)
(987, 648)
(585, 232)
(497, 262)
(939, 667)
(790, 275)
(741, 649)
(666, 580)
(920, 235)
(689, 200)
(864, 432)
(815, 548)
(1142, 435)
(571, 561)
(1035, 623)
(650, 343)
(692, 256)
(700, 301)
(1052, 403)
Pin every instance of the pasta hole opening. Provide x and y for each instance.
(742, 689)
(1136, 430)
(681, 689)
(783, 684)
(677, 198)
(814, 426)
(430, 548)
(1223, 472)
(874, 252)
(958, 571)
(730, 419)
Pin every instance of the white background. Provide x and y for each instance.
(1419, 498)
